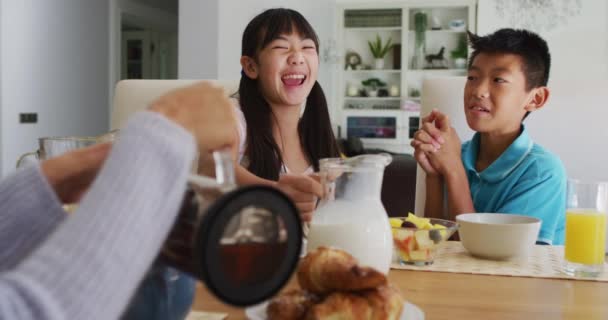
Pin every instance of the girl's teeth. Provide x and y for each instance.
(294, 76)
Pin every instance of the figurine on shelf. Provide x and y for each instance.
(353, 61)
(436, 61)
(436, 23)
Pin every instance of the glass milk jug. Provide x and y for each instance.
(350, 216)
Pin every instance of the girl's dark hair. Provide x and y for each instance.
(316, 135)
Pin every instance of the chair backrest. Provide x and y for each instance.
(446, 95)
(131, 96)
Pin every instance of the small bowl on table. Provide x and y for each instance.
(417, 245)
(497, 236)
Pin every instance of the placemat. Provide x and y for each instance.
(543, 262)
(204, 315)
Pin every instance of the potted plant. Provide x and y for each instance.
(459, 55)
(420, 26)
(379, 51)
(373, 84)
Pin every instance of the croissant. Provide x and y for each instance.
(382, 303)
(325, 270)
(291, 305)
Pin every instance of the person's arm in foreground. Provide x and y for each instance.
(30, 208)
(90, 266)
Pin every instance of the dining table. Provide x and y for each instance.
(443, 295)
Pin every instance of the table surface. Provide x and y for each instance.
(467, 296)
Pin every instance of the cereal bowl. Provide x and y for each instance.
(416, 239)
(498, 236)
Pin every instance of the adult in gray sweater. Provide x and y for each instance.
(87, 266)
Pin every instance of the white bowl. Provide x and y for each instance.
(497, 236)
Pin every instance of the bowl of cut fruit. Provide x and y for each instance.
(416, 239)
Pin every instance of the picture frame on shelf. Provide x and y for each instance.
(352, 61)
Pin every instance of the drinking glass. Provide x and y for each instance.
(49, 147)
(587, 206)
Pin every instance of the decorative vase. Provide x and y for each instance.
(419, 54)
(379, 63)
(460, 63)
(420, 26)
(352, 91)
(393, 91)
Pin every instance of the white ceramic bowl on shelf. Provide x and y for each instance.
(498, 236)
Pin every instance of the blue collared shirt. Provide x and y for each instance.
(526, 179)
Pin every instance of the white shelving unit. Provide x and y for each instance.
(384, 121)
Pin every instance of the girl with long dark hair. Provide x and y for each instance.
(285, 125)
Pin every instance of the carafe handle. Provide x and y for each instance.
(24, 156)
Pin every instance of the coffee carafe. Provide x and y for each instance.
(242, 242)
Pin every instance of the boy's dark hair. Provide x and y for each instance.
(528, 45)
(316, 135)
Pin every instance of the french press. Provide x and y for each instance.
(243, 243)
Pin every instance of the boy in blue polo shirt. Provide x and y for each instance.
(500, 169)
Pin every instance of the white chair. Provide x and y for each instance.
(131, 96)
(446, 95)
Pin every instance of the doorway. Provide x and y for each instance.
(143, 39)
(147, 52)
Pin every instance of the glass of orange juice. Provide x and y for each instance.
(586, 209)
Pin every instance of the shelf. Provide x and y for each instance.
(364, 111)
(374, 70)
(372, 98)
(463, 71)
(373, 29)
(442, 31)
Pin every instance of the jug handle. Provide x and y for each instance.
(224, 172)
(203, 181)
(386, 157)
(25, 156)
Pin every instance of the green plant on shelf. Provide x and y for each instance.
(378, 49)
(420, 26)
(461, 50)
(373, 83)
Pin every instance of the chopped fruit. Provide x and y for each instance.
(423, 241)
(435, 235)
(416, 238)
(420, 255)
(402, 234)
(421, 223)
(441, 230)
(403, 255)
(407, 224)
(395, 222)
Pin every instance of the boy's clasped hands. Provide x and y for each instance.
(436, 144)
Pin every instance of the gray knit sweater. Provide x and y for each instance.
(87, 266)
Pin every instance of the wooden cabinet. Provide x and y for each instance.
(426, 36)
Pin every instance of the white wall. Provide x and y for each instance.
(198, 39)
(573, 124)
(579, 48)
(53, 61)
